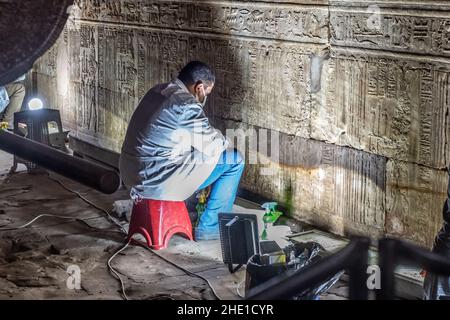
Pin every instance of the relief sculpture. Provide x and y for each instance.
(358, 94)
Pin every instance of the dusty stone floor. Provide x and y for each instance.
(34, 260)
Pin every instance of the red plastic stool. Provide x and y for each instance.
(158, 221)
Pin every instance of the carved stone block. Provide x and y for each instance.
(415, 197)
(358, 92)
(389, 105)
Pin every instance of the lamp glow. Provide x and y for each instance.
(35, 104)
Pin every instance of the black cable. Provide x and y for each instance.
(123, 231)
(109, 217)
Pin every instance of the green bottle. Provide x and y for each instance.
(201, 204)
(270, 216)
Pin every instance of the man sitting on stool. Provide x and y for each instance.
(170, 150)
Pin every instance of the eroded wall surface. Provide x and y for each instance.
(357, 93)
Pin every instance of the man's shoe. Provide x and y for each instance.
(204, 234)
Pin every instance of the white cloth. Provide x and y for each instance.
(4, 99)
(170, 148)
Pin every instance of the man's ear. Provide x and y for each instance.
(198, 85)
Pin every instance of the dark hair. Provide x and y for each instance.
(195, 72)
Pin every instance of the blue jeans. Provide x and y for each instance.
(224, 180)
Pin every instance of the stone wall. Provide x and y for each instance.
(358, 92)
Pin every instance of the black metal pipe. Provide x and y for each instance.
(393, 252)
(82, 171)
(358, 289)
(387, 259)
(430, 261)
(287, 286)
(354, 258)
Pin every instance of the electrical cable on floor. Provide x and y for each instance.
(184, 270)
(55, 216)
(109, 217)
(117, 276)
(122, 230)
(115, 273)
(238, 289)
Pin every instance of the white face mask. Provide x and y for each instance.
(203, 103)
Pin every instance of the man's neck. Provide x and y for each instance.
(182, 85)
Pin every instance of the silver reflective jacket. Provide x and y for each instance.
(170, 148)
(4, 99)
